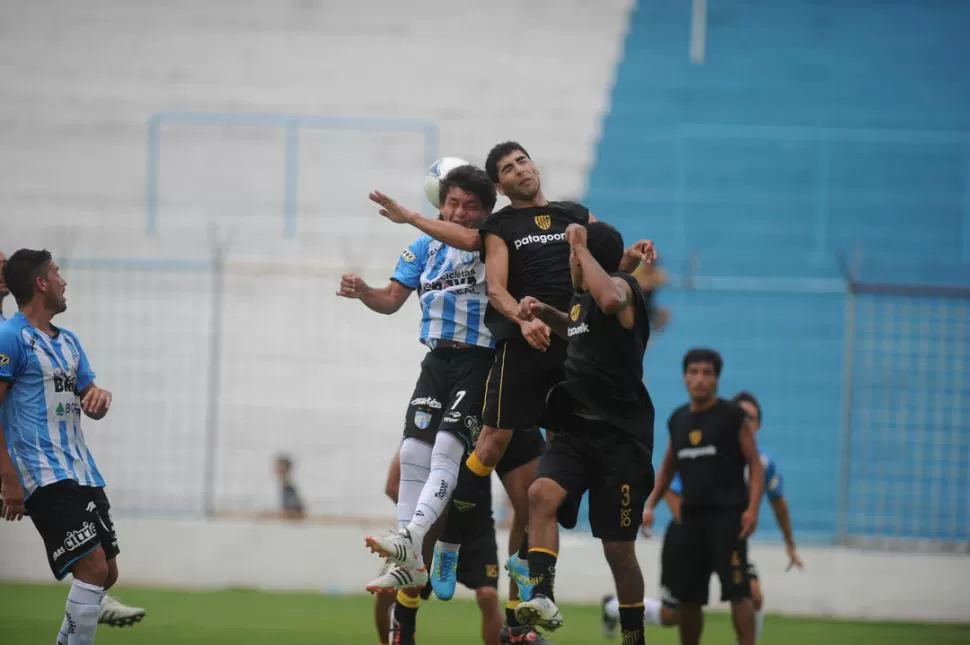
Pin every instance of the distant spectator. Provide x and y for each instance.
(291, 505)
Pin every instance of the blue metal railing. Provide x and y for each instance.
(292, 124)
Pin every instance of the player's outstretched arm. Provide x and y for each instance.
(530, 308)
(450, 233)
(611, 294)
(783, 517)
(638, 255)
(386, 300)
(756, 478)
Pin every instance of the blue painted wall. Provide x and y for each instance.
(813, 126)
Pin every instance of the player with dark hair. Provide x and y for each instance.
(443, 416)
(603, 417)
(526, 254)
(666, 611)
(711, 444)
(46, 469)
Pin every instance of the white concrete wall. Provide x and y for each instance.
(835, 582)
(301, 371)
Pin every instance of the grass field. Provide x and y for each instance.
(30, 614)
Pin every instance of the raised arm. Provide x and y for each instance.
(610, 294)
(385, 300)
(497, 275)
(450, 233)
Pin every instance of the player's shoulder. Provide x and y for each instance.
(12, 328)
(729, 409)
(417, 249)
(574, 210)
(679, 415)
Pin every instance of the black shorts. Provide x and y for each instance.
(612, 465)
(478, 558)
(73, 521)
(448, 395)
(520, 379)
(670, 564)
(711, 544)
(524, 446)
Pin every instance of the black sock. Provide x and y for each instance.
(406, 619)
(542, 570)
(631, 624)
(524, 549)
(510, 618)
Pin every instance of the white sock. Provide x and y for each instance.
(651, 611)
(81, 614)
(612, 609)
(415, 464)
(436, 495)
(448, 547)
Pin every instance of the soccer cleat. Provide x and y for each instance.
(518, 635)
(398, 577)
(117, 614)
(398, 547)
(609, 622)
(519, 572)
(539, 612)
(444, 573)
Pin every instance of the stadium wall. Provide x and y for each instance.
(332, 559)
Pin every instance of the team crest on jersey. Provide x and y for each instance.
(543, 222)
(422, 419)
(574, 312)
(407, 255)
(467, 257)
(695, 437)
(4, 359)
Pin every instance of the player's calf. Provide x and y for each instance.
(622, 559)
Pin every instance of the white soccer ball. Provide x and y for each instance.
(436, 172)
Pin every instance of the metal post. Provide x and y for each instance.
(291, 178)
(214, 380)
(151, 175)
(848, 359)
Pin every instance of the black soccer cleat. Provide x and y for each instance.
(521, 636)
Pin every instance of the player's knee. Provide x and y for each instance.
(545, 496)
(486, 596)
(620, 555)
(92, 568)
(756, 596)
(112, 576)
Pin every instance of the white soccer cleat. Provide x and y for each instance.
(114, 613)
(539, 612)
(399, 548)
(398, 577)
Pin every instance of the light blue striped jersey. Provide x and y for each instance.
(41, 414)
(774, 484)
(452, 290)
